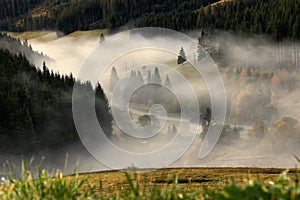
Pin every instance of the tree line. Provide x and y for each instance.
(71, 15)
(18, 47)
(36, 106)
(280, 19)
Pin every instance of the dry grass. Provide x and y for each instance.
(214, 4)
(189, 179)
(28, 34)
(87, 34)
(220, 2)
(48, 36)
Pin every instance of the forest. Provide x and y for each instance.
(36, 106)
(279, 19)
(18, 47)
(70, 15)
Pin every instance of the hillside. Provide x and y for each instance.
(68, 16)
(68, 51)
(36, 111)
(18, 47)
(277, 19)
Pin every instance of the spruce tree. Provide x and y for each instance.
(167, 82)
(113, 79)
(181, 57)
(156, 77)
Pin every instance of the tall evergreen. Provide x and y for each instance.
(181, 56)
(113, 79)
(167, 82)
(156, 77)
(103, 111)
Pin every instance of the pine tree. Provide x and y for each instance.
(149, 77)
(113, 79)
(102, 38)
(103, 111)
(156, 77)
(181, 57)
(167, 82)
(139, 77)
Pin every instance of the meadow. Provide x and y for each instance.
(174, 183)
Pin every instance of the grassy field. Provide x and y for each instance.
(91, 33)
(169, 184)
(48, 36)
(189, 179)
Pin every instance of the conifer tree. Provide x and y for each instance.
(113, 79)
(156, 77)
(181, 57)
(167, 82)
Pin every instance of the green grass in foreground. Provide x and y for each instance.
(44, 186)
(141, 186)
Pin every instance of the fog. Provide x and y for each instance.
(68, 52)
(71, 53)
(257, 50)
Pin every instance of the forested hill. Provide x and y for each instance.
(16, 46)
(70, 15)
(36, 106)
(278, 18)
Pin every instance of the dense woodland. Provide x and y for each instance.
(36, 106)
(17, 8)
(278, 18)
(70, 15)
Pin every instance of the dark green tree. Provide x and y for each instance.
(181, 57)
(156, 77)
(113, 79)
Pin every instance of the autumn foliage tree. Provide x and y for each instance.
(113, 79)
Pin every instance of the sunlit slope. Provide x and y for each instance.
(68, 51)
(49, 36)
(43, 36)
(84, 34)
